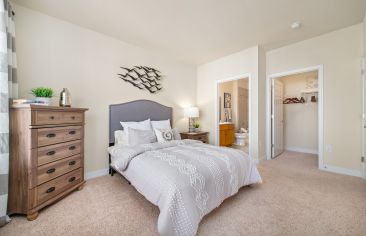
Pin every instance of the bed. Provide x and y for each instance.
(186, 179)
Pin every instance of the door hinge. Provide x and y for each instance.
(362, 159)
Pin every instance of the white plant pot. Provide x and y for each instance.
(45, 101)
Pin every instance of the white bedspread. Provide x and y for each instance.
(186, 179)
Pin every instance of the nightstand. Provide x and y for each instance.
(201, 136)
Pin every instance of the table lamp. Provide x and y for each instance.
(191, 113)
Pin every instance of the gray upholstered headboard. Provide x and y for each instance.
(138, 110)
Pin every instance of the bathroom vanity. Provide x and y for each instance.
(227, 136)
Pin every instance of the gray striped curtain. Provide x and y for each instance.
(8, 90)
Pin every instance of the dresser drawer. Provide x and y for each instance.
(48, 136)
(56, 117)
(56, 152)
(57, 168)
(54, 187)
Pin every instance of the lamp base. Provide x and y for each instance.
(190, 126)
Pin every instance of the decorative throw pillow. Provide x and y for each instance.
(137, 136)
(164, 135)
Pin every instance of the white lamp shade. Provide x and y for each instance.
(191, 112)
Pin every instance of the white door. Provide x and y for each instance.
(277, 118)
(363, 163)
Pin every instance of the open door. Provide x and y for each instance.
(277, 118)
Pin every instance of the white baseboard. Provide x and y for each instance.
(343, 171)
(303, 150)
(96, 173)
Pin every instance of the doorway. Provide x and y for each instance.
(233, 118)
(295, 112)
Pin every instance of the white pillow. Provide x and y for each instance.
(161, 124)
(142, 125)
(120, 137)
(138, 136)
(164, 135)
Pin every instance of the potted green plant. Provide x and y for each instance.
(43, 95)
(196, 127)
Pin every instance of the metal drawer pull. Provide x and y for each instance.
(49, 171)
(72, 132)
(50, 153)
(73, 117)
(71, 163)
(52, 117)
(72, 148)
(50, 190)
(51, 135)
(72, 179)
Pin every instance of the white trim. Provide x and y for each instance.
(318, 68)
(217, 120)
(96, 173)
(343, 171)
(300, 149)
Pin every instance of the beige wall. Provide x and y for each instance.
(239, 121)
(364, 34)
(300, 119)
(231, 66)
(262, 78)
(58, 54)
(340, 54)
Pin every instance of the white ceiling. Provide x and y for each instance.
(197, 31)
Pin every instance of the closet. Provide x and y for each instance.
(295, 113)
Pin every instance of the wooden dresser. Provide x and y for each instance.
(227, 136)
(201, 136)
(46, 156)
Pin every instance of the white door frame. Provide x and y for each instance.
(318, 68)
(217, 119)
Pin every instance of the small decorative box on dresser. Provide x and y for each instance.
(202, 136)
(46, 156)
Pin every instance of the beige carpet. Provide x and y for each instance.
(295, 199)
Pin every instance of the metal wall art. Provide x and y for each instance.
(143, 77)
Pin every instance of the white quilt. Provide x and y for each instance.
(186, 179)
